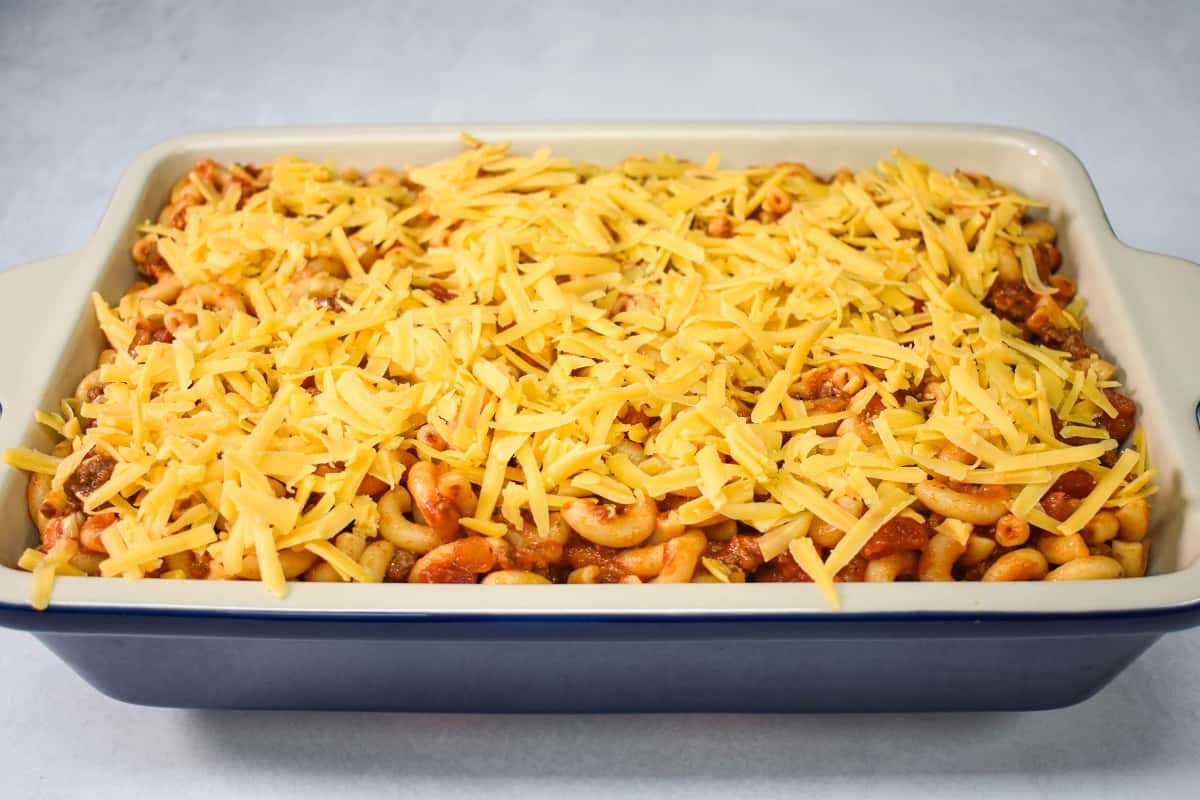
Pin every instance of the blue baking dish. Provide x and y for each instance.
(693, 647)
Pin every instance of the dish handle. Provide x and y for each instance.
(30, 296)
(26, 288)
(1166, 290)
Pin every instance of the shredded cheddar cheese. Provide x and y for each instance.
(752, 345)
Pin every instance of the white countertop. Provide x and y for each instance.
(84, 89)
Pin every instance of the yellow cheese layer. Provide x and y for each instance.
(568, 330)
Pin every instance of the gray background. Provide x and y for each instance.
(84, 87)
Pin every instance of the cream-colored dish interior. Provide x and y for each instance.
(52, 340)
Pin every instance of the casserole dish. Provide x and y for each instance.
(646, 648)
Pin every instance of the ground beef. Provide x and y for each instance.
(579, 552)
(400, 565)
(1012, 300)
(93, 471)
(741, 552)
(896, 535)
(1076, 483)
(781, 569)
(1060, 505)
(1120, 426)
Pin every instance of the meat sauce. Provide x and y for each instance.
(538, 556)
(579, 552)
(1120, 426)
(93, 472)
(896, 535)
(781, 569)
(740, 552)
(784, 569)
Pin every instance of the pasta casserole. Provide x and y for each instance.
(522, 369)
